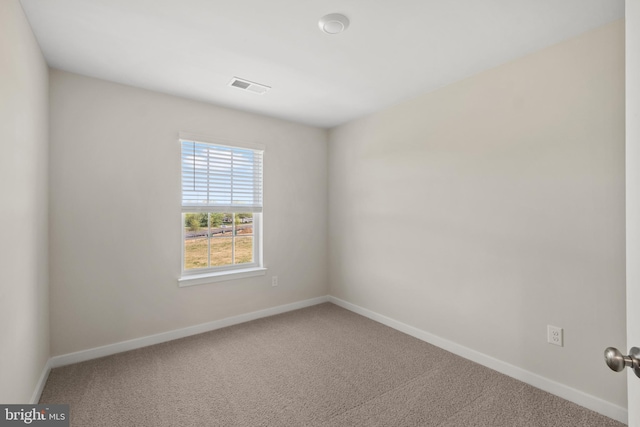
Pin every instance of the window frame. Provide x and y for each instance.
(205, 275)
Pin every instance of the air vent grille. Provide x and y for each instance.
(249, 86)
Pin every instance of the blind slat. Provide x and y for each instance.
(220, 178)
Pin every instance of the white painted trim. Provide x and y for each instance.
(571, 394)
(35, 397)
(220, 276)
(190, 136)
(107, 350)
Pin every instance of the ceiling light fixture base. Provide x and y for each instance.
(333, 23)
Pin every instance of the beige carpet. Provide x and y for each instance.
(320, 366)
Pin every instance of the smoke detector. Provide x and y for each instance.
(248, 86)
(333, 23)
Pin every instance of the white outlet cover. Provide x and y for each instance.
(555, 335)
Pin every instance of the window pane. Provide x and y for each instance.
(219, 223)
(221, 250)
(196, 249)
(244, 238)
(244, 249)
(217, 239)
(244, 223)
(221, 240)
(195, 253)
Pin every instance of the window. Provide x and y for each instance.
(221, 209)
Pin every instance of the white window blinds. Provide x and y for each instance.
(219, 178)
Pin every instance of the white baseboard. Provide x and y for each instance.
(107, 350)
(35, 397)
(576, 396)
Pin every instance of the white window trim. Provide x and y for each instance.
(238, 271)
(220, 276)
(219, 141)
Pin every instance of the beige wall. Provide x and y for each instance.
(490, 208)
(24, 312)
(115, 213)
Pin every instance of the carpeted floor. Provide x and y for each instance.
(320, 366)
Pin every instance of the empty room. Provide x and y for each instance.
(293, 213)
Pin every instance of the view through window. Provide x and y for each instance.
(217, 239)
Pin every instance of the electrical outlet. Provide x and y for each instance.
(554, 335)
(274, 280)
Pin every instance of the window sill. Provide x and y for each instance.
(203, 279)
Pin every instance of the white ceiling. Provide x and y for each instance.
(392, 50)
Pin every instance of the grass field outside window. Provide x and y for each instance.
(218, 240)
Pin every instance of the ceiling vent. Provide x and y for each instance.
(248, 86)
